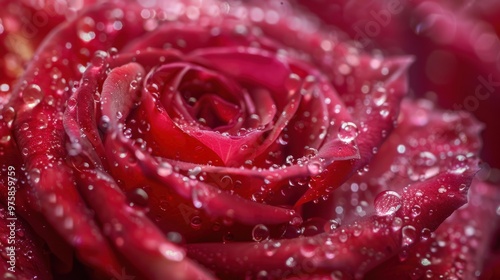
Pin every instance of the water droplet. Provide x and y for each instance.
(416, 210)
(8, 116)
(387, 203)
(71, 103)
(459, 165)
(314, 167)
(397, 223)
(86, 29)
(99, 58)
(260, 233)
(423, 166)
(425, 262)
(357, 230)
(409, 235)
(293, 83)
(401, 149)
(379, 96)
(164, 169)
(291, 262)
(35, 175)
(309, 248)
(384, 113)
(330, 226)
(196, 222)
(343, 236)
(271, 248)
(425, 234)
(348, 131)
(171, 252)
(5, 139)
(138, 197)
(32, 95)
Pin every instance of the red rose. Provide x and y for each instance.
(215, 140)
(457, 47)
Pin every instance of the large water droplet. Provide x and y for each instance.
(260, 233)
(387, 203)
(348, 131)
(314, 167)
(164, 169)
(423, 166)
(32, 95)
(459, 164)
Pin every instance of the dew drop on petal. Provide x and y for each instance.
(330, 226)
(409, 235)
(459, 165)
(35, 175)
(343, 236)
(99, 58)
(86, 29)
(164, 169)
(397, 223)
(387, 203)
(416, 210)
(291, 262)
(8, 116)
(348, 131)
(196, 222)
(308, 249)
(379, 96)
(314, 167)
(32, 95)
(425, 262)
(171, 252)
(293, 83)
(425, 234)
(260, 233)
(138, 197)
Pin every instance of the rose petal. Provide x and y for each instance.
(375, 122)
(410, 154)
(352, 249)
(22, 250)
(458, 248)
(133, 234)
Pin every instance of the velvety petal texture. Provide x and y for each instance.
(185, 139)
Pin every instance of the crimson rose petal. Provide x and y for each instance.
(458, 248)
(352, 249)
(22, 250)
